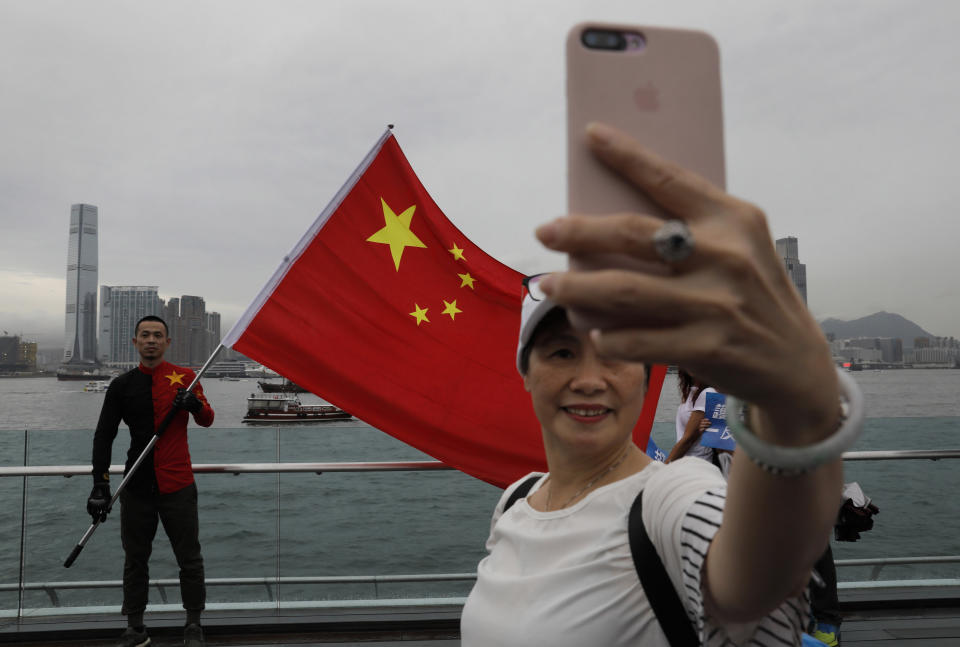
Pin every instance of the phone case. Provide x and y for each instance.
(667, 95)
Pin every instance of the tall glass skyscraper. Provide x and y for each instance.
(787, 248)
(80, 339)
(121, 307)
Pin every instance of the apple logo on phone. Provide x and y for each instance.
(646, 98)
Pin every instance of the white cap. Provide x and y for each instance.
(531, 314)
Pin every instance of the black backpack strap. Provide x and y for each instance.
(520, 492)
(656, 583)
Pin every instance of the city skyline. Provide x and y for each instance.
(211, 143)
(102, 336)
(195, 333)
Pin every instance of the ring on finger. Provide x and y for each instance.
(673, 241)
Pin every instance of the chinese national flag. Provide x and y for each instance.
(387, 311)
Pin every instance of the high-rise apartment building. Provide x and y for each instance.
(80, 338)
(213, 330)
(787, 248)
(121, 307)
(195, 332)
(16, 355)
(891, 348)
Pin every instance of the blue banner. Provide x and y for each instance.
(655, 452)
(717, 436)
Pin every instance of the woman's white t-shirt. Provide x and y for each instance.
(686, 408)
(567, 577)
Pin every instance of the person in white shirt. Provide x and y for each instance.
(559, 569)
(690, 418)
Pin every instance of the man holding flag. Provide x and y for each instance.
(162, 488)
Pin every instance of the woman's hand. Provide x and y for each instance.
(728, 312)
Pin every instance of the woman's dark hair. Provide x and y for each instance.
(687, 383)
(552, 318)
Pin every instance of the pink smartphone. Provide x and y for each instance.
(660, 85)
(663, 87)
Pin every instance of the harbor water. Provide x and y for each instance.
(433, 522)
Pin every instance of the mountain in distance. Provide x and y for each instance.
(879, 324)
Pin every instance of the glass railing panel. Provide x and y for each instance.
(12, 444)
(238, 530)
(919, 515)
(376, 524)
(386, 523)
(235, 540)
(57, 518)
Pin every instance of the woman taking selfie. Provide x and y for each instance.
(736, 556)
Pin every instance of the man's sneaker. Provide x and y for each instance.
(193, 636)
(133, 638)
(827, 634)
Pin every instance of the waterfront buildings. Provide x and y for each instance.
(787, 248)
(80, 338)
(934, 350)
(17, 356)
(121, 307)
(890, 348)
(194, 331)
(888, 352)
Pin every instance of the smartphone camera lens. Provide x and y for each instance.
(634, 42)
(603, 39)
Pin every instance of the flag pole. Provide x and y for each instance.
(133, 468)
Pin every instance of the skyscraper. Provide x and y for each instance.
(121, 307)
(787, 248)
(195, 331)
(213, 331)
(80, 338)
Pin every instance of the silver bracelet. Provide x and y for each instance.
(794, 461)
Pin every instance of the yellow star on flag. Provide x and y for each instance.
(176, 378)
(457, 253)
(420, 314)
(466, 280)
(451, 309)
(396, 232)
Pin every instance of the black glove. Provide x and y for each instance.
(98, 504)
(187, 400)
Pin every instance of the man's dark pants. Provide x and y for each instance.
(177, 511)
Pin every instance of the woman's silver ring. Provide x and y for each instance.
(673, 241)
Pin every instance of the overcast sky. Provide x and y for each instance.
(210, 134)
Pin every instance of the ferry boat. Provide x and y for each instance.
(284, 387)
(95, 386)
(67, 373)
(288, 408)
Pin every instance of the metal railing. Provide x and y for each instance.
(52, 588)
(404, 466)
(241, 468)
(878, 563)
(269, 583)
